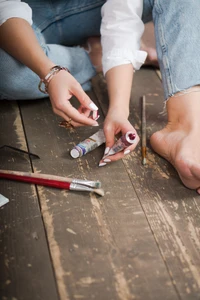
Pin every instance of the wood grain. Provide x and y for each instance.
(101, 248)
(24, 254)
(172, 211)
(140, 241)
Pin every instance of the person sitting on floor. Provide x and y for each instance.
(28, 52)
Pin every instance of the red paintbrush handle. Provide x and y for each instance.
(39, 181)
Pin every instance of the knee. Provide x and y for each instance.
(17, 81)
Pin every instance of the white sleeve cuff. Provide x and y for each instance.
(117, 57)
(15, 9)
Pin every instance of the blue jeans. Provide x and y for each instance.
(70, 22)
(59, 26)
(177, 32)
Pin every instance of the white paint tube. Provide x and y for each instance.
(88, 144)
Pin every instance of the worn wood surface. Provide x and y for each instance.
(26, 271)
(172, 211)
(140, 241)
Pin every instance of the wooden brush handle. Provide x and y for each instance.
(144, 121)
(36, 175)
(42, 179)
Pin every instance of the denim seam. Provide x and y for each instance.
(157, 7)
(166, 65)
(70, 12)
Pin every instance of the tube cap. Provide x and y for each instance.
(75, 153)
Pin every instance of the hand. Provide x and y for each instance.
(61, 88)
(116, 122)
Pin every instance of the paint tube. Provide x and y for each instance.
(88, 144)
(123, 142)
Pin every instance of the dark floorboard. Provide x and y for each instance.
(140, 241)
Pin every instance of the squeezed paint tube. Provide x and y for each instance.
(123, 142)
(88, 144)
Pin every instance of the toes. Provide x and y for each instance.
(198, 190)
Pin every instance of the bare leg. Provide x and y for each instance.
(93, 47)
(179, 141)
(148, 44)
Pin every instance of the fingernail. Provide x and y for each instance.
(93, 106)
(198, 190)
(127, 152)
(96, 124)
(94, 114)
(102, 164)
(106, 150)
(98, 116)
(107, 160)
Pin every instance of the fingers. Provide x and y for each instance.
(111, 158)
(117, 150)
(87, 112)
(84, 99)
(110, 139)
(72, 122)
(61, 88)
(77, 117)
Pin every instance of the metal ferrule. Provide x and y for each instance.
(87, 183)
(81, 188)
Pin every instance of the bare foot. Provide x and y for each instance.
(179, 141)
(93, 47)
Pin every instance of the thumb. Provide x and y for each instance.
(110, 139)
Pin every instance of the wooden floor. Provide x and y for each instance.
(140, 241)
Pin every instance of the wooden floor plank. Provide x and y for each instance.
(24, 254)
(172, 210)
(101, 248)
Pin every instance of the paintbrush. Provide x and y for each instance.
(144, 149)
(54, 181)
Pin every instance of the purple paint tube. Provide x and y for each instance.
(123, 142)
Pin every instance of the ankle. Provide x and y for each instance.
(184, 110)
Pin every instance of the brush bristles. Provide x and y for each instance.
(82, 188)
(88, 183)
(144, 161)
(100, 192)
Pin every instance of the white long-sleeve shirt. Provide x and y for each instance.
(15, 9)
(121, 29)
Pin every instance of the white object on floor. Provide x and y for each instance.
(3, 200)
